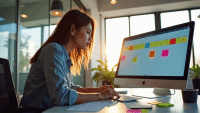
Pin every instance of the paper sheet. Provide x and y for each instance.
(89, 106)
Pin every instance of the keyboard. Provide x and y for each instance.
(126, 98)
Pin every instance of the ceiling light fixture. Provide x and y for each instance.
(24, 16)
(57, 8)
(113, 1)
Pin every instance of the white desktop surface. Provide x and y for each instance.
(118, 107)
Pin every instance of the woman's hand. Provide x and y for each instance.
(108, 93)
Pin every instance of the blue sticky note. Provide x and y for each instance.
(147, 45)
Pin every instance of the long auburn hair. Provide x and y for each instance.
(61, 35)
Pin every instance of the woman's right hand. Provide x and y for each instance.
(108, 93)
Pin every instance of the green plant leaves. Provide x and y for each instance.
(196, 70)
(104, 64)
(104, 73)
(97, 77)
(114, 66)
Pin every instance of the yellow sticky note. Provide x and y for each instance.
(184, 39)
(144, 110)
(134, 59)
(179, 40)
(166, 42)
(142, 46)
(154, 103)
(152, 44)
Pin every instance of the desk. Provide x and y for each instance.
(118, 107)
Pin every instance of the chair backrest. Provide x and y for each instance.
(8, 98)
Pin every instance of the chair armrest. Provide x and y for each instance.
(22, 109)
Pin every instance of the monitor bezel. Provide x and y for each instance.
(187, 62)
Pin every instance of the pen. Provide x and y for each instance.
(107, 86)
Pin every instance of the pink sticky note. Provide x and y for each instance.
(165, 53)
(123, 57)
(133, 111)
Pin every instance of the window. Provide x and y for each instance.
(141, 24)
(174, 18)
(8, 35)
(196, 40)
(46, 32)
(116, 30)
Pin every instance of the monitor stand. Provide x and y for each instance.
(156, 93)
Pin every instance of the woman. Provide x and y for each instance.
(49, 82)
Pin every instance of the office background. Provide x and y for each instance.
(21, 37)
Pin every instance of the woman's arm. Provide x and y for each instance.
(90, 90)
(93, 90)
(88, 97)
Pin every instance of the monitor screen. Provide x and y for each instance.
(161, 54)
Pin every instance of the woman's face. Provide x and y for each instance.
(83, 37)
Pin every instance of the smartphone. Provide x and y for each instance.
(141, 106)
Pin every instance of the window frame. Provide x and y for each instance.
(157, 23)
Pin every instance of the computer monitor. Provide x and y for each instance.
(157, 59)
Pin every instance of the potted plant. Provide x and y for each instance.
(103, 74)
(195, 75)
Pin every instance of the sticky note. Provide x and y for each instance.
(144, 110)
(136, 47)
(164, 105)
(152, 44)
(159, 43)
(156, 44)
(134, 111)
(133, 47)
(125, 48)
(142, 46)
(173, 41)
(184, 39)
(147, 45)
(152, 54)
(130, 48)
(154, 103)
(135, 59)
(165, 53)
(166, 42)
(179, 40)
(123, 57)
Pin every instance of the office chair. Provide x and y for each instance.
(8, 100)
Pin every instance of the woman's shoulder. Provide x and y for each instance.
(53, 45)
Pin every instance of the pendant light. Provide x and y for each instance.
(57, 8)
(23, 15)
(113, 1)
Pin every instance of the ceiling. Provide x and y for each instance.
(39, 8)
(135, 7)
(36, 10)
